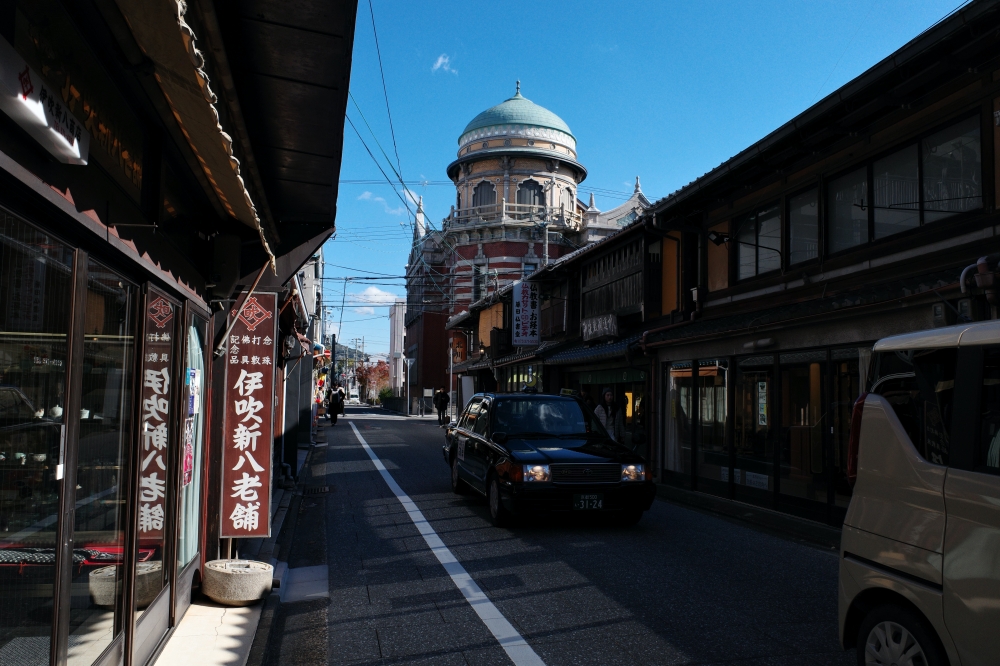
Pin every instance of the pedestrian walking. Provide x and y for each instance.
(610, 415)
(441, 401)
(336, 404)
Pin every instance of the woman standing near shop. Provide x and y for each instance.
(611, 416)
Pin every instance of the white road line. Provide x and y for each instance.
(516, 648)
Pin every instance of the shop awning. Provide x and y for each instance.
(529, 353)
(600, 352)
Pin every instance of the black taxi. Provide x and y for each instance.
(531, 453)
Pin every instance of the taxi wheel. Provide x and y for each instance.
(458, 486)
(498, 514)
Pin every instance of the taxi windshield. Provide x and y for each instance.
(538, 416)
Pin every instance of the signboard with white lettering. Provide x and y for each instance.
(154, 457)
(603, 326)
(524, 331)
(39, 109)
(249, 419)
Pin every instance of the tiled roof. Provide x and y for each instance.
(594, 353)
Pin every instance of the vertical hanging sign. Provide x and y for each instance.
(249, 426)
(525, 315)
(154, 458)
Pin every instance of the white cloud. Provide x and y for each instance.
(376, 295)
(443, 63)
(365, 311)
(368, 196)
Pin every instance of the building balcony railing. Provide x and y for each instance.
(513, 214)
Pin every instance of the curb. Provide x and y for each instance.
(767, 520)
(262, 637)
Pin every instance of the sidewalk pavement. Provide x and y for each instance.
(211, 634)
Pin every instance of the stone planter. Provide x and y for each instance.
(148, 583)
(237, 582)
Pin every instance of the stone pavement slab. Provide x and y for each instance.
(212, 635)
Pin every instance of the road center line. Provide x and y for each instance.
(516, 648)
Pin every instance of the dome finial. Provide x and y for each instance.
(637, 187)
(518, 91)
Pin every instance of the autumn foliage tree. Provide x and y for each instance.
(372, 378)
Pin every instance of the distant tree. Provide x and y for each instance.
(372, 378)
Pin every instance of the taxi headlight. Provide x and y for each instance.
(537, 473)
(633, 473)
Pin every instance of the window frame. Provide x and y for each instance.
(869, 165)
(754, 213)
(786, 228)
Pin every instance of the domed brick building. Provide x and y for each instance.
(516, 209)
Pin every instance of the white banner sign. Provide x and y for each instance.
(525, 329)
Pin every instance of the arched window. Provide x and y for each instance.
(530, 193)
(484, 194)
(567, 199)
(458, 201)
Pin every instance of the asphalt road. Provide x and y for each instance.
(681, 587)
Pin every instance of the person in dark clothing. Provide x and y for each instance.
(441, 402)
(587, 400)
(336, 404)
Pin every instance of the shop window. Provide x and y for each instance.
(105, 436)
(192, 443)
(35, 280)
(718, 261)
(952, 165)
(759, 242)
(713, 455)
(484, 194)
(530, 193)
(896, 192)
(847, 366)
(803, 463)
(803, 227)
(847, 210)
(753, 424)
(919, 385)
(677, 454)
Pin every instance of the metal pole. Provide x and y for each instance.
(451, 377)
(545, 230)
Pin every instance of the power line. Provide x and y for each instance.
(384, 91)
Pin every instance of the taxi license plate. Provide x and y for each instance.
(593, 502)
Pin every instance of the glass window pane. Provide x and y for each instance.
(847, 210)
(769, 240)
(713, 455)
(155, 448)
(953, 171)
(923, 399)
(105, 437)
(897, 193)
(753, 420)
(34, 321)
(803, 463)
(677, 456)
(803, 227)
(192, 442)
(747, 239)
(988, 452)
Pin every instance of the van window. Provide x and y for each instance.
(988, 451)
(919, 384)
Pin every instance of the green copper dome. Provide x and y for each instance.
(517, 110)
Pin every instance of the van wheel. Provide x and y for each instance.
(458, 486)
(498, 514)
(892, 635)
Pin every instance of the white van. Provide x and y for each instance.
(920, 551)
(353, 397)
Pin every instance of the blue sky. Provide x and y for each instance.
(662, 90)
